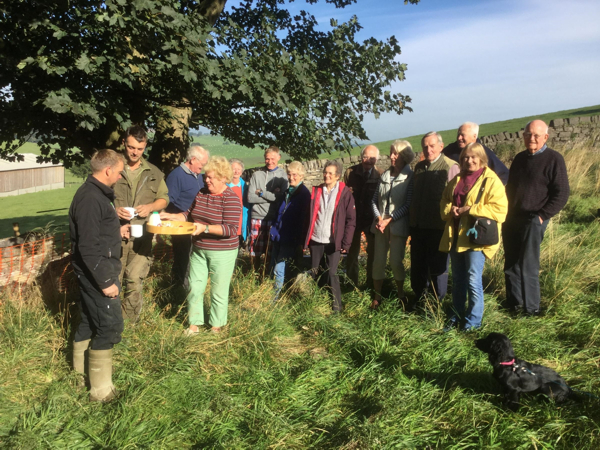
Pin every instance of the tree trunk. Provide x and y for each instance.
(171, 138)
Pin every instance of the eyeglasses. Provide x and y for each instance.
(537, 137)
(369, 158)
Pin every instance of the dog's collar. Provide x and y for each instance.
(508, 363)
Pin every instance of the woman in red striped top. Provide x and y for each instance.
(216, 214)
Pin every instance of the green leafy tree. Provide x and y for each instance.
(77, 72)
(81, 169)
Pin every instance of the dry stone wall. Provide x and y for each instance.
(314, 168)
(560, 131)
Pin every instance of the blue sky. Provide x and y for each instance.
(481, 61)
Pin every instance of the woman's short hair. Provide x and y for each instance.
(339, 168)
(233, 161)
(296, 167)
(404, 150)
(221, 167)
(105, 158)
(477, 150)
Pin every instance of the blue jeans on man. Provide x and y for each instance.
(467, 284)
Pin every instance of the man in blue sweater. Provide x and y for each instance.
(467, 133)
(184, 182)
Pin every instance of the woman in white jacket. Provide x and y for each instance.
(391, 204)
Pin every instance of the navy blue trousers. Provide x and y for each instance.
(522, 237)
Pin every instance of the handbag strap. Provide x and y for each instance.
(480, 193)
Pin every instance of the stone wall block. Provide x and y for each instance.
(554, 123)
(573, 120)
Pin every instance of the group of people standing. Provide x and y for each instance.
(436, 206)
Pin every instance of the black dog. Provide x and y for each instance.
(517, 376)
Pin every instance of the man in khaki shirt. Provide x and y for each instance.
(142, 187)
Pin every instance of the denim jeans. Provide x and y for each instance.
(283, 260)
(467, 271)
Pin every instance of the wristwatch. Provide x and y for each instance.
(206, 229)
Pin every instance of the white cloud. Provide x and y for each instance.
(493, 61)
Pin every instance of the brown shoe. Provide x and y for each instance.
(375, 304)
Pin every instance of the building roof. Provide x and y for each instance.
(29, 162)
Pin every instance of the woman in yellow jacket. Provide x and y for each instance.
(459, 209)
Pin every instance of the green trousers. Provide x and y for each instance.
(136, 259)
(217, 265)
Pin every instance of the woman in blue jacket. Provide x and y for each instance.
(289, 230)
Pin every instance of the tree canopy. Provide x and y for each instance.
(77, 72)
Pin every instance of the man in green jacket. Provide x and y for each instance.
(142, 187)
(429, 266)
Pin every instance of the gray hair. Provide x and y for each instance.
(433, 133)
(338, 166)
(233, 161)
(296, 167)
(404, 150)
(362, 152)
(398, 145)
(472, 126)
(195, 150)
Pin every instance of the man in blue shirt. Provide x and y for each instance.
(184, 182)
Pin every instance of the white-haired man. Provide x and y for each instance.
(362, 179)
(183, 183)
(429, 266)
(537, 189)
(466, 134)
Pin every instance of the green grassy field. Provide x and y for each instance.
(292, 375)
(216, 145)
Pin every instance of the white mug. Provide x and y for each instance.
(131, 211)
(137, 230)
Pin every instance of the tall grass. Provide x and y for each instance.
(293, 375)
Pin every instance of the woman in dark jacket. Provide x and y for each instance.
(331, 227)
(289, 230)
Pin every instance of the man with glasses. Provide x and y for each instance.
(537, 189)
(362, 179)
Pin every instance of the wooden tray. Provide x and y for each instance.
(176, 227)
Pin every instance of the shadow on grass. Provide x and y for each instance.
(476, 382)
